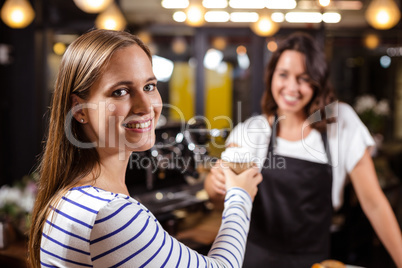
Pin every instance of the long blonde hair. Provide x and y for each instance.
(62, 164)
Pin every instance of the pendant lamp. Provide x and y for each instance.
(195, 15)
(17, 13)
(111, 19)
(265, 26)
(92, 6)
(383, 14)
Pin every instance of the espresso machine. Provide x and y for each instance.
(170, 175)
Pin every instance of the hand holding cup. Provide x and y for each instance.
(238, 161)
(247, 180)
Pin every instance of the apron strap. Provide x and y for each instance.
(272, 139)
(324, 137)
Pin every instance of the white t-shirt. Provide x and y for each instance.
(348, 139)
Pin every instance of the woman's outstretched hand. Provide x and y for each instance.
(248, 180)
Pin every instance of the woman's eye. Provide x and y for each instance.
(305, 79)
(282, 74)
(120, 92)
(150, 87)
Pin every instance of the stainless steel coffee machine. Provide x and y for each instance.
(170, 175)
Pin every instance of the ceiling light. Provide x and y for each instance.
(92, 6)
(324, 3)
(111, 19)
(162, 68)
(278, 17)
(179, 45)
(215, 3)
(283, 4)
(265, 26)
(59, 48)
(272, 46)
(241, 50)
(383, 14)
(385, 61)
(303, 17)
(219, 43)
(179, 16)
(17, 13)
(175, 4)
(213, 58)
(243, 61)
(331, 17)
(394, 51)
(195, 15)
(248, 4)
(244, 16)
(371, 41)
(216, 16)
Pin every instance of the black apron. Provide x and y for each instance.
(291, 213)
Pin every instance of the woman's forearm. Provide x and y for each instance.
(376, 207)
(386, 226)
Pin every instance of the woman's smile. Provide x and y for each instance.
(139, 126)
(290, 99)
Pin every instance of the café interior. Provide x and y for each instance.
(209, 57)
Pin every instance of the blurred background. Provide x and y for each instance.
(209, 58)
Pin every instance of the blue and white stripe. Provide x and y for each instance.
(91, 227)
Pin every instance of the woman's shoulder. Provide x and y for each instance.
(83, 204)
(102, 203)
(347, 118)
(94, 192)
(345, 111)
(96, 198)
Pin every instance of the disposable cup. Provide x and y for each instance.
(237, 158)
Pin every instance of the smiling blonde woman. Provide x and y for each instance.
(105, 106)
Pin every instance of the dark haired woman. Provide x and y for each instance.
(306, 144)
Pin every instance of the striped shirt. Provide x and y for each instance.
(91, 227)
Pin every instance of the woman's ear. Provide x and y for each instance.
(77, 109)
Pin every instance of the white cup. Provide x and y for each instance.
(237, 158)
